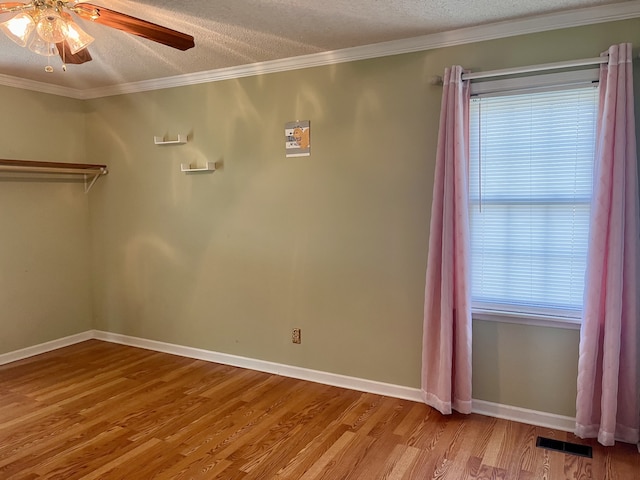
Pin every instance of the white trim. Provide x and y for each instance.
(300, 373)
(524, 415)
(481, 407)
(45, 347)
(41, 87)
(528, 319)
(511, 28)
(586, 16)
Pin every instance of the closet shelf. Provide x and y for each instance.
(91, 172)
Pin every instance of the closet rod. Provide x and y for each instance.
(52, 167)
(535, 68)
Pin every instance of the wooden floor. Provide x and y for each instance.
(102, 411)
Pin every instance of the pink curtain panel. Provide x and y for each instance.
(607, 405)
(446, 355)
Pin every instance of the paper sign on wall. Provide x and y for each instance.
(297, 136)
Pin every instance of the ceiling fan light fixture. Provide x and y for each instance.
(77, 39)
(42, 47)
(19, 28)
(51, 27)
(56, 33)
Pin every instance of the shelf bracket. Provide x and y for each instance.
(88, 184)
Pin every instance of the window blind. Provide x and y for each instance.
(531, 177)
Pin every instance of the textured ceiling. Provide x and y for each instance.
(242, 32)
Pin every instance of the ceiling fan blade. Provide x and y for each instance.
(133, 25)
(79, 58)
(11, 6)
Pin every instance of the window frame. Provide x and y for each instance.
(522, 85)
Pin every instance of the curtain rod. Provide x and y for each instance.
(535, 68)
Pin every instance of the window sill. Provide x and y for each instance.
(527, 319)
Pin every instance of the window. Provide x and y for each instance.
(531, 176)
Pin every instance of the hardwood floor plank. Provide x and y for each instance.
(380, 458)
(401, 466)
(309, 455)
(525, 453)
(201, 467)
(417, 415)
(321, 465)
(578, 468)
(121, 459)
(273, 454)
(348, 461)
(97, 410)
(72, 456)
(491, 473)
(496, 444)
(459, 450)
(34, 436)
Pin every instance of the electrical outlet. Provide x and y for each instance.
(296, 335)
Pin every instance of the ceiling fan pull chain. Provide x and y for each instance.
(48, 68)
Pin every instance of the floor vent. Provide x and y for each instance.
(565, 447)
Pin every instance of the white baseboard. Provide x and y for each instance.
(300, 373)
(508, 412)
(524, 415)
(45, 347)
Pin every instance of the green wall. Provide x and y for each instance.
(44, 224)
(335, 243)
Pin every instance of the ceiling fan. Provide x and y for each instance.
(47, 28)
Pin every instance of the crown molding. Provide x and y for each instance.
(541, 23)
(41, 87)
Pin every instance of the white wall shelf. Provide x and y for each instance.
(91, 172)
(164, 141)
(188, 168)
